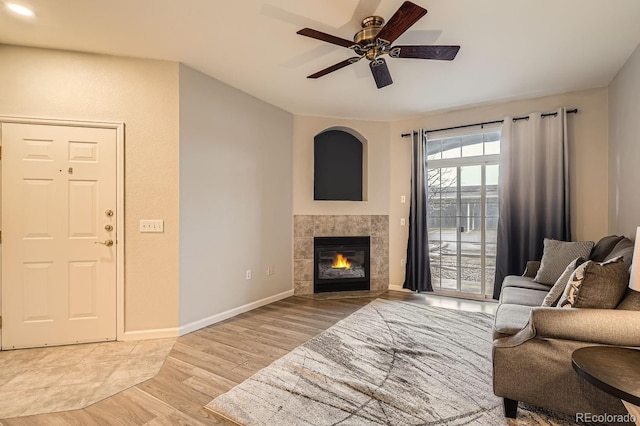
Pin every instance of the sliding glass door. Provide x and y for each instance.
(462, 173)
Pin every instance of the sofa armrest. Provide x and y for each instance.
(605, 326)
(531, 269)
(598, 326)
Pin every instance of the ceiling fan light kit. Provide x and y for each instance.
(375, 39)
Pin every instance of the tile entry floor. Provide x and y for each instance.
(44, 380)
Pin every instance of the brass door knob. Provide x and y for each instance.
(107, 243)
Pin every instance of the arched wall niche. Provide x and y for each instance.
(340, 165)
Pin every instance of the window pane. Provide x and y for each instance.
(472, 145)
(491, 148)
(433, 225)
(451, 148)
(492, 177)
(471, 178)
(490, 274)
(472, 150)
(434, 149)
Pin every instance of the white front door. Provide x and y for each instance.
(58, 224)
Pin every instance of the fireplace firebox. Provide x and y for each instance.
(341, 264)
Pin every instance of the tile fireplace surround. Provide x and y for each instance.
(305, 227)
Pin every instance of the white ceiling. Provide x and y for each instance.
(510, 49)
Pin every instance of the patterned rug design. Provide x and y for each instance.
(389, 363)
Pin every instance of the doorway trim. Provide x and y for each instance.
(120, 233)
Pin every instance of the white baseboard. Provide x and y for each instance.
(159, 333)
(197, 325)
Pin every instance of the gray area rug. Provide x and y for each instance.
(389, 363)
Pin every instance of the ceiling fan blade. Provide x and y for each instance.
(335, 67)
(319, 35)
(408, 14)
(380, 72)
(443, 53)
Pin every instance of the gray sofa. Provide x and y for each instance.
(533, 345)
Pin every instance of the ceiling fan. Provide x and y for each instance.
(375, 39)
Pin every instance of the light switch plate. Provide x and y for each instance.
(152, 225)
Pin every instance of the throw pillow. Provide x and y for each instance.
(596, 285)
(630, 301)
(624, 248)
(557, 255)
(603, 247)
(558, 288)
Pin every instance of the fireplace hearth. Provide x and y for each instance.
(341, 264)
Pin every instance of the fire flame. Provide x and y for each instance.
(341, 262)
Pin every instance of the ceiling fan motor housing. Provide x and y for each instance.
(371, 26)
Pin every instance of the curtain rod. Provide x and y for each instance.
(547, 114)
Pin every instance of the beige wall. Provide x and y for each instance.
(624, 149)
(235, 199)
(588, 161)
(143, 94)
(376, 135)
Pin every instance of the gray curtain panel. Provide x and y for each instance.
(418, 269)
(533, 191)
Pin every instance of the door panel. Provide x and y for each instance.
(443, 222)
(39, 200)
(58, 283)
(82, 290)
(470, 229)
(37, 291)
(83, 210)
(462, 235)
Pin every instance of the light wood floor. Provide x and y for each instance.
(210, 361)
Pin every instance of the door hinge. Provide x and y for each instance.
(0, 321)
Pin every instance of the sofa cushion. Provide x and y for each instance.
(523, 296)
(557, 255)
(596, 285)
(531, 269)
(551, 299)
(630, 301)
(603, 247)
(624, 248)
(523, 282)
(510, 319)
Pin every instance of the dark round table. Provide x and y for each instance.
(612, 369)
